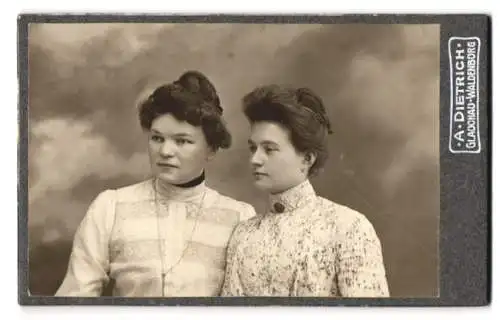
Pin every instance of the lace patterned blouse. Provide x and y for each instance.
(305, 245)
(167, 243)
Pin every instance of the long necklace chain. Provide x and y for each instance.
(160, 239)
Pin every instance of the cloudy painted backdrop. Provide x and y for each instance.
(379, 83)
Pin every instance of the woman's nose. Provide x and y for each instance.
(167, 149)
(256, 158)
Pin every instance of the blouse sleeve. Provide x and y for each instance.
(361, 271)
(232, 284)
(88, 265)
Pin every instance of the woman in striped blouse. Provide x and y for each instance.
(166, 236)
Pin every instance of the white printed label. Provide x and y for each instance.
(464, 100)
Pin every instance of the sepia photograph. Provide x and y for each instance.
(234, 160)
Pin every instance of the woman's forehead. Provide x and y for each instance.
(269, 132)
(169, 125)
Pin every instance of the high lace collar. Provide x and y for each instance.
(171, 192)
(292, 199)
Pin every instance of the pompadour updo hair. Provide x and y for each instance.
(300, 111)
(191, 98)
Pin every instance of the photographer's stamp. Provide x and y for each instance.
(464, 88)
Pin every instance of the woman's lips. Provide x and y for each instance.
(166, 165)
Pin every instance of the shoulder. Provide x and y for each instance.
(246, 227)
(105, 202)
(133, 192)
(240, 208)
(344, 219)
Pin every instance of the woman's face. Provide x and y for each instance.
(178, 151)
(276, 165)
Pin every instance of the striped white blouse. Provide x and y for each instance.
(167, 243)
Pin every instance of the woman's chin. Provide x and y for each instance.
(168, 178)
(262, 186)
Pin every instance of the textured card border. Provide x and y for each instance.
(465, 219)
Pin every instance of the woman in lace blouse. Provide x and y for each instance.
(168, 235)
(303, 245)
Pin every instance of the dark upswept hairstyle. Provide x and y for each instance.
(299, 110)
(191, 98)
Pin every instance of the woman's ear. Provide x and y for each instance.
(211, 154)
(309, 159)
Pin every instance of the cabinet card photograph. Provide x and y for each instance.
(227, 159)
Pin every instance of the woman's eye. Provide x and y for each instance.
(269, 150)
(182, 141)
(252, 149)
(156, 138)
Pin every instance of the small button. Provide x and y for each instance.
(278, 207)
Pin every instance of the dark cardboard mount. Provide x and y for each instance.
(465, 219)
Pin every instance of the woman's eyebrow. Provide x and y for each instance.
(182, 134)
(155, 131)
(265, 142)
(177, 134)
(270, 142)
